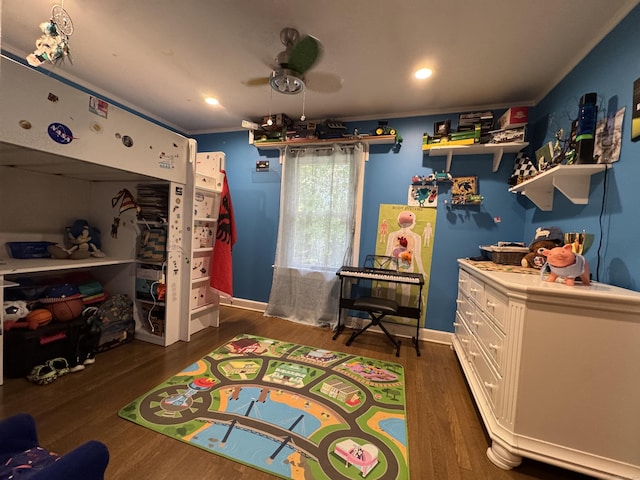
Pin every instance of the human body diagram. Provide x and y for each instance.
(405, 245)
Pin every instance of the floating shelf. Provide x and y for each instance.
(369, 139)
(497, 150)
(573, 181)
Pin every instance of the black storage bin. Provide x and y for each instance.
(24, 348)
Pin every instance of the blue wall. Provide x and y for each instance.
(609, 70)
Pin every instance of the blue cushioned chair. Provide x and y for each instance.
(18, 435)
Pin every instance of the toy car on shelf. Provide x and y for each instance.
(440, 177)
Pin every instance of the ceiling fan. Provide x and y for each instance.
(291, 73)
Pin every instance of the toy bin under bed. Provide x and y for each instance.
(24, 348)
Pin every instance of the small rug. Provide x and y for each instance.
(294, 411)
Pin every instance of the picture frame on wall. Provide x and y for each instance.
(635, 114)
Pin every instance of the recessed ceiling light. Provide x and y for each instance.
(211, 101)
(423, 73)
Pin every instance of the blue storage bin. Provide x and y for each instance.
(26, 250)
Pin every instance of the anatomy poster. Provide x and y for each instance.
(406, 233)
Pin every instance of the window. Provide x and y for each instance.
(320, 207)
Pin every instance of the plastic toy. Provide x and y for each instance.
(565, 264)
(440, 177)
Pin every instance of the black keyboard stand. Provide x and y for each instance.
(378, 308)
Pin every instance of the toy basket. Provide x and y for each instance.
(505, 255)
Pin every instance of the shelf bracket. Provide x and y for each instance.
(497, 158)
(449, 157)
(541, 197)
(574, 187)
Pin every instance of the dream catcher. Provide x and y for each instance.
(53, 45)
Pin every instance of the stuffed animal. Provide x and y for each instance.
(84, 242)
(565, 264)
(545, 237)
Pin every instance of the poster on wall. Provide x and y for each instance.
(423, 196)
(609, 138)
(406, 233)
(635, 114)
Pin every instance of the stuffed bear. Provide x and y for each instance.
(565, 264)
(546, 237)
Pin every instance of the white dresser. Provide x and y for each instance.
(554, 370)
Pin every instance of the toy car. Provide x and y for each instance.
(384, 129)
(440, 177)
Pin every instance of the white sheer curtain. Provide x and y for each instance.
(320, 201)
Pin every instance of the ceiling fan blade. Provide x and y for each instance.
(304, 54)
(323, 82)
(256, 82)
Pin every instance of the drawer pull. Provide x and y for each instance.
(464, 340)
(476, 322)
(492, 345)
(489, 385)
(474, 290)
(491, 305)
(456, 324)
(459, 302)
(474, 354)
(468, 313)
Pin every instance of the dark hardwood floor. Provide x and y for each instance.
(446, 437)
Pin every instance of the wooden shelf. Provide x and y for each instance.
(497, 150)
(16, 265)
(369, 139)
(573, 181)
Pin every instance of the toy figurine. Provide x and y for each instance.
(565, 264)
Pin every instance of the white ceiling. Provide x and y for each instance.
(162, 57)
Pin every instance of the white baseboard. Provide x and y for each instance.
(426, 334)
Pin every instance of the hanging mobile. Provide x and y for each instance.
(62, 20)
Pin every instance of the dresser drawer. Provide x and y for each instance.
(463, 335)
(467, 310)
(491, 340)
(463, 282)
(476, 291)
(495, 305)
(489, 381)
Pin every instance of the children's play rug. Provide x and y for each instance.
(291, 410)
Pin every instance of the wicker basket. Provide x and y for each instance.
(505, 255)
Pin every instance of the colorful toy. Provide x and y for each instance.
(34, 319)
(84, 241)
(565, 264)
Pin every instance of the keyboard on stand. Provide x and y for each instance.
(381, 274)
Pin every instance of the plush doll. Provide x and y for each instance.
(84, 240)
(545, 237)
(565, 264)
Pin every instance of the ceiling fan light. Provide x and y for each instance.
(286, 81)
(423, 73)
